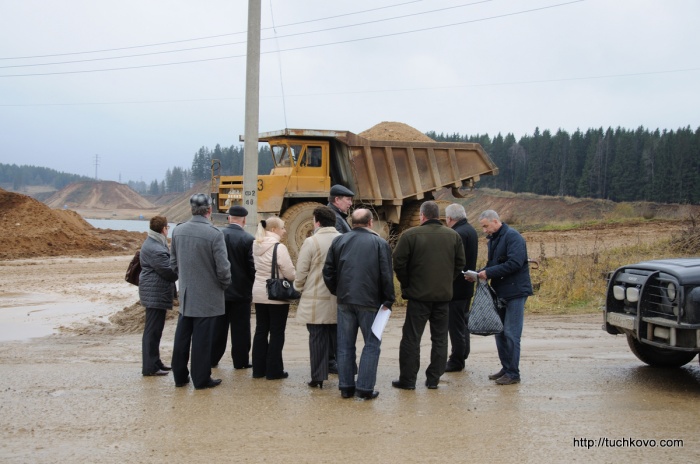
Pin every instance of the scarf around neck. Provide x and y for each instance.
(158, 237)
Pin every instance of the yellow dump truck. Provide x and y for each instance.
(392, 178)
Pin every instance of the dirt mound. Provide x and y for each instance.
(106, 195)
(179, 210)
(129, 320)
(395, 131)
(529, 210)
(29, 228)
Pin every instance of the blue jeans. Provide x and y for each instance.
(350, 318)
(508, 341)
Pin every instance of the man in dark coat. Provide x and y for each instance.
(340, 201)
(358, 271)
(239, 295)
(462, 289)
(199, 258)
(427, 260)
(509, 271)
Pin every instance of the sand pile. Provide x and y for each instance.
(129, 320)
(179, 210)
(102, 195)
(395, 131)
(29, 228)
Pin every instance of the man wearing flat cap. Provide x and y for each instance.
(239, 295)
(340, 201)
(199, 258)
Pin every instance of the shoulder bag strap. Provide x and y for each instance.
(274, 262)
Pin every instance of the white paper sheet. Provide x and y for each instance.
(380, 321)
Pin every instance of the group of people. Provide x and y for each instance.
(345, 275)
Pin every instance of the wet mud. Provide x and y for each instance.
(78, 396)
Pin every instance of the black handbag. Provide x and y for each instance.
(279, 288)
(483, 316)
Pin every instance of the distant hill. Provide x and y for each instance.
(107, 195)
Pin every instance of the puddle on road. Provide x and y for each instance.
(30, 315)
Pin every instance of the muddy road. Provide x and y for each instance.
(79, 396)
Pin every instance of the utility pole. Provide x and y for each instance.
(97, 163)
(252, 116)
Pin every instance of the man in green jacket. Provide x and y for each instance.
(426, 261)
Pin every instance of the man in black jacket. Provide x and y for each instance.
(358, 271)
(427, 259)
(462, 290)
(239, 248)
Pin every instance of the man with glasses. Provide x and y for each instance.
(199, 258)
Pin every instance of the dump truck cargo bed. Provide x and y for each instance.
(381, 171)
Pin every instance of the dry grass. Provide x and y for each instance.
(576, 284)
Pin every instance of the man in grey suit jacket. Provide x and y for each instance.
(199, 258)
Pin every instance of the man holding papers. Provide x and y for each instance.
(358, 271)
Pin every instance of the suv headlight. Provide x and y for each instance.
(671, 291)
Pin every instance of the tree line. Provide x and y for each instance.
(618, 165)
(25, 176)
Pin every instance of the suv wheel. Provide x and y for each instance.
(658, 357)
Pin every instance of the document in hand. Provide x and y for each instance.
(380, 321)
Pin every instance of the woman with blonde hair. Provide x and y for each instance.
(270, 315)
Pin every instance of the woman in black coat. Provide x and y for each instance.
(156, 291)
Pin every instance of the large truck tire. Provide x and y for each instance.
(410, 215)
(658, 357)
(299, 222)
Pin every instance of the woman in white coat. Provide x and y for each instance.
(270, 315)
(317, 306)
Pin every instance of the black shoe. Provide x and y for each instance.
(401, 385)
(163, 367)
(505, 379)
(453, 368)
(333, 367)
(158, 372)
(211, 384)
(431, 385)
(347, 392)
(283, 375)
(182, 384)
(245, 366)
(258, 376)
(316, 383)
(497, 375)
(367, 395)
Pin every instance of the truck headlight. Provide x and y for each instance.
(619, 292)
(671, 291)
(632, 294)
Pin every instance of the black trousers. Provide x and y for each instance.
(418, 313)
(195, 332)
(459, 335)
(237, 318)
(270, 321)
(320, 336)
(150, 342)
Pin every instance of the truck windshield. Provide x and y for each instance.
(286, 156)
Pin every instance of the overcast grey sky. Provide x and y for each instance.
(145, 84)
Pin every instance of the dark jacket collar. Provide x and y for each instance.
(432, 221)
(459, 223)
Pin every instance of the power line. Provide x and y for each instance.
(276, 37)
(208, 37)
(460, 23)
(393, 90)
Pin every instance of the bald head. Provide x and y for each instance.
(361, 218)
